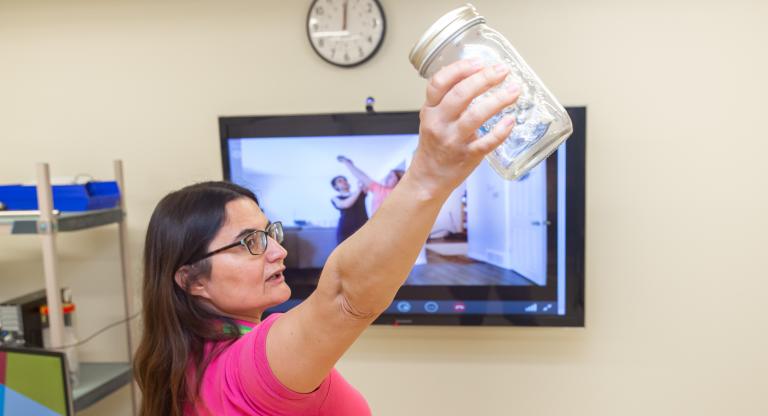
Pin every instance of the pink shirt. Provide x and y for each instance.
(380, 193)
(239, 381)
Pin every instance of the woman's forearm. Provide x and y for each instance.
(359, 174)
(346, 203)
(374, 262)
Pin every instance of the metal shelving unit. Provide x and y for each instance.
(97, 380)
(26, 222)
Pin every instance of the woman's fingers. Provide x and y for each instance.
(450, 119)
(448, 77)
(494, 138)
(461, 95)
(487, 107)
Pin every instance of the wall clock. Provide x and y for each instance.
(346, 33)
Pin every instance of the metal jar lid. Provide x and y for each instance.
(441, 32)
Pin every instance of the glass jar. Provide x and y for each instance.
(542, 123)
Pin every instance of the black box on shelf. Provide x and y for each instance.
(21, 317)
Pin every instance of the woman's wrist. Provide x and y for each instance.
(424, 187)
(433, 180)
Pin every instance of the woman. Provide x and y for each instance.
(380, 191)
(351, 206)
(213, 264)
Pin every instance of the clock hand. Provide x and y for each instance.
(344, 22)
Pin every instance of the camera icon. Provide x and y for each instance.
(403, 306)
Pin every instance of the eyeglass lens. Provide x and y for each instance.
(257, 242)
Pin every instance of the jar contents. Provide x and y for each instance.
(531, 120)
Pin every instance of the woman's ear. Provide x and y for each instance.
(195, 287)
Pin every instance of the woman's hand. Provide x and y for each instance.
(449, 147)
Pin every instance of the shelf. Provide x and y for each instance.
(25, 222)
(98, 380)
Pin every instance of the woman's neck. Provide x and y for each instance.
(252, 317)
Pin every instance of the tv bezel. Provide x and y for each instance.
(406, 122)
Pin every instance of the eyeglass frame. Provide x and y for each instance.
(271, 227)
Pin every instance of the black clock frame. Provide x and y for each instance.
(368, 58)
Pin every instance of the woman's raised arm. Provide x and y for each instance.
(363, 274)
(348, 202)
(359, 174)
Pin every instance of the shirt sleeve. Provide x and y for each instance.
(257, 381)
(375, 187)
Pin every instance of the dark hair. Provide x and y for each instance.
(176, 324)
(336, 178)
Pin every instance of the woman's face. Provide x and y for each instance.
(342, 184)
(242, 285)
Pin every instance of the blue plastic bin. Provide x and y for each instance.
(93, 195)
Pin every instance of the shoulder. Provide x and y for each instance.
(240, 377)
(375, 186)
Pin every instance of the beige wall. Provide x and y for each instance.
(676, 227)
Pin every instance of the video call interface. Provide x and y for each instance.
(497, 246)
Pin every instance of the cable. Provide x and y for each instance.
(92, 336)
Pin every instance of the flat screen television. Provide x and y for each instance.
(500, 252)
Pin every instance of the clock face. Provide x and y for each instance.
(346, 32)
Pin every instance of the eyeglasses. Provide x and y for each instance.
(255, 241)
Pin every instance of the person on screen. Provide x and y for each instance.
(213, 263)
(351, 206)
(380, 191)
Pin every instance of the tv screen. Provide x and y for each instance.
(500, 252)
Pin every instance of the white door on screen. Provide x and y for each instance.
(506, 221)
(528, 225)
